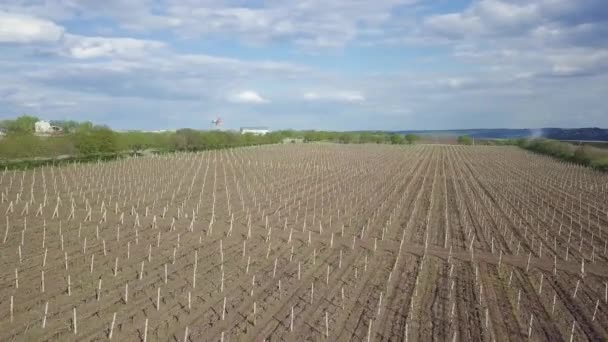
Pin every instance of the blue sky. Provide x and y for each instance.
(331, 64)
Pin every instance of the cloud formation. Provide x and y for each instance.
(341, 96)
(248, 96)
(80, 47)
(17, 28)
(344, 64)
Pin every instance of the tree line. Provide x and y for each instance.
(587, 155)
(88, 139)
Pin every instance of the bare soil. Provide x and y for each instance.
(368, 243)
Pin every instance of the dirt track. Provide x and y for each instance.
(423, 243)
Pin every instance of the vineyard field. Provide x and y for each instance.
(307, 242)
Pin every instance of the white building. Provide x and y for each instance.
(255, 130)
(44, 127)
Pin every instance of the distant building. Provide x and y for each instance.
(44, 127)
(255, 130)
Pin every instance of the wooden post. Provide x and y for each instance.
(74, 322)
(576, 288)
(572, 330)
(290, 319)
(597, 304)
(146, 331)
(112, 326)
(326, 325)
(99, 289)
(195, 267)
(222, 281)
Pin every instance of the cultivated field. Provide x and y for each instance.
(307, 242)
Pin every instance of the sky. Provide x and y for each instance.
(307, 64)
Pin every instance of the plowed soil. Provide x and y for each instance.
(305, 243)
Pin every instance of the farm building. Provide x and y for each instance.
(255, 130)
(44, 127)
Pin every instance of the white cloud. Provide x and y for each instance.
(247, 96)
(484, 18)
(309, 23)
(81, 47)
(15, 28)
(338, 96)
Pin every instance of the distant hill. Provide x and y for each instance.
(578, 134)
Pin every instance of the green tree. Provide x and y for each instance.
(94, 140)
(465, 140)
(21, 125)
(411, 138)
(396, 139)
(345, 138)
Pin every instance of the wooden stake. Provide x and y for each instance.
(572, 330)
(195, 267)
(326, 325)
(576, 288)
(99, 289)
(290, 319)
(146, 331)
(224, 309)
(597, 304)
(74, 322)
(46, 310)
(112, 326)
